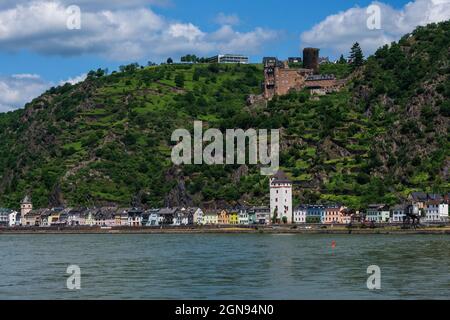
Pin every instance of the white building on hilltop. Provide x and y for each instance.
(281, 198)
(229, 58)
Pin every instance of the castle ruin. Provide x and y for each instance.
(280, 79)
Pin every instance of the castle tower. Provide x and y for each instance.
(270, 65)
(25, 206)
(311, 59)
(281, 197)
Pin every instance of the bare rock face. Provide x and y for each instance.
(333, 151)
(56, 198)
(239, 173)
(446, 170)
(178, 196)
(254, 99)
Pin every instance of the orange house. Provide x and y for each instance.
(223, 217)
(335, 214)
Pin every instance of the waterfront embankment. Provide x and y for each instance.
(439, 230)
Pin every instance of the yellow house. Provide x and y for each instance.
(223, 217)
(90, 217)
(210, 217)
(53, 219)
(118, 217)
(234, 218)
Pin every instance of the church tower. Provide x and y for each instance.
(25, 206)
(281, 198)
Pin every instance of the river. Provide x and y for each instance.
(209, 266)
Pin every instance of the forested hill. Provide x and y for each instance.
(107, 140)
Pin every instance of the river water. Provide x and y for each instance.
(210, 266)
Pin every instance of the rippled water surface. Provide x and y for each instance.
(224, 266)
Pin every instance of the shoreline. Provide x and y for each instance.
(226, 230)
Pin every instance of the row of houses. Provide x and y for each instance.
(425, 207)
(428, 208)
(131, 217)
(324, 214)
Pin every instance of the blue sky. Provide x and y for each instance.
(37, 50)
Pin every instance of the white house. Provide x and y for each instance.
(243, 216)
(378, 213)
(135, 217)
(4, 217)
(187, 216)
(76, 217)
(211, 217)
(153, 218)
(436, 212)
(398, 214)
(198, 216)
(281, 198)
(14, 219)
(262, 215)
(300, 214)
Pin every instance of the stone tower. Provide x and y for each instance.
(281, 197)
(25, 206)
(311, 59)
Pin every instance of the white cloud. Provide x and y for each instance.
(123, 34)
(229, 40)
(74, 80)
(18, 89)
(224, 19)
(24, 76)
(187, 31)
(338, 32)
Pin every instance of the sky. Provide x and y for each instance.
(44, 43)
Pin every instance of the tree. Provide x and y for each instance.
(192, 58)
(275, 216)
(179, 80)
(356, 56)
(169, 60)
(100, 73)
(132, 67)
(342, 60)
(196, 75)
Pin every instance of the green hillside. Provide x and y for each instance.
(107, 140)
